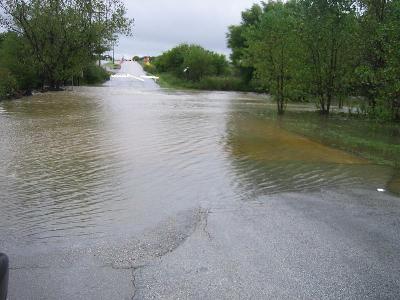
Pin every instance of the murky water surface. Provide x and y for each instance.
(103, 162)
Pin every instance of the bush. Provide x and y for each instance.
(172, 60)
(192, 63)
(94, 75)
(15, 57)
(150, 68)
(222, 84)
(8, 84)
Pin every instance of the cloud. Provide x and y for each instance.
(162, 24)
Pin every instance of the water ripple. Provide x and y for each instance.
(105, 161)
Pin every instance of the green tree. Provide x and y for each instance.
(65, 36)
(274, 51)
(8, 83)
(15, 57)
(378, 71)
(237, 41)
(327, 30)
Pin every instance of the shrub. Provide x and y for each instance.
(15, 57)
(150, 68)
(222, 84)
(8, 83)
(192, 63)
(94, 75)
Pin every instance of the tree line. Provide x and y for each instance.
(50, 42)
(323, 50)
(192, 66)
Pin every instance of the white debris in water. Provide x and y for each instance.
(381, 190)
(150, 77)
(122, 75)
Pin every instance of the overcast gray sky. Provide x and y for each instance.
(163, 24)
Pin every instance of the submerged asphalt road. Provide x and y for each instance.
(132, 192)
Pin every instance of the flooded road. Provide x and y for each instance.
(105, 171)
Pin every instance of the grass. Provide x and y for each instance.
(377, 142)
(212, 83)
(112, 65)
(168, 80)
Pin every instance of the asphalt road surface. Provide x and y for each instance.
(326, 245)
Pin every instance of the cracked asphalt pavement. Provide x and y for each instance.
(320, 245)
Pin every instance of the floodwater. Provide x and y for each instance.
(103, 162)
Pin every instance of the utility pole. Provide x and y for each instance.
(113, 53)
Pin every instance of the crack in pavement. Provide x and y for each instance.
(174, 240)
(204, 214)
(31, 268)
(131, 255)
(134, 269)
(164, 239)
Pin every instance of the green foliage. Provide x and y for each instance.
(328, 31)
(8, 84)
(112, 65)
(172, 60)
(94, 74)
(274, 51)
(149, 68)
(15, 57)
(198, 63)
(222, 83)
(323, 50)
(63, 37)
(192, 63)
(375, 141)
(210, 83)
(378, 72)
(237, 41)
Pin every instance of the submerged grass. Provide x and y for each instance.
(377, 142)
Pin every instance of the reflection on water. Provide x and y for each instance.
(268, 159)
(265, 140)
(107, 161)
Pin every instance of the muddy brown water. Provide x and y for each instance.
(102, 162)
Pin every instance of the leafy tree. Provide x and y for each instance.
(392, 71)
(15, 57)
(8, 83)
(274, 51)
(237, 41)
(65, 36)
(378, 71)
(328, 29)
